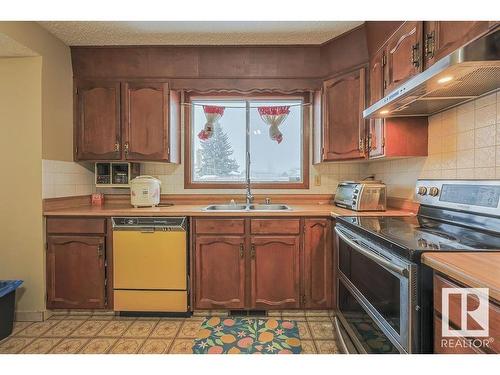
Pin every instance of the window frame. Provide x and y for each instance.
(252, 95)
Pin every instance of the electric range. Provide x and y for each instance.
(385, 294)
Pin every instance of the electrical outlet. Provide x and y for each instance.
(317, 180)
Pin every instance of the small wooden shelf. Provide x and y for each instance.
(115, 174)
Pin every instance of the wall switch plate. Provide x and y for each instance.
(317, 180)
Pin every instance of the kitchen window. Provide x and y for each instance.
(223, 133)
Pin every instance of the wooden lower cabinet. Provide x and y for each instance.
(318, 264)
(262, 268)
(219, 268)
(75, 272)
(459, 344)
(275, 272)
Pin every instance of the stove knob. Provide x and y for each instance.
(433, 191)
(422, 190)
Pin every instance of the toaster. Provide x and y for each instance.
(361, 195)
(145, 191)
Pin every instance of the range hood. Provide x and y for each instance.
(469, 72)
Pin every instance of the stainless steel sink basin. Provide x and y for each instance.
(226, 207)
(247, 207)
(269, 207)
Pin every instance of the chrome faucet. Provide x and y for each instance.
(249, 196)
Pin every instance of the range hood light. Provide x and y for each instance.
(445, 79)
(384, 112)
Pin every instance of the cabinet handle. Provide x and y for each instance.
(252, 251)
(100, 250)
(415, 55)
(125, 147)
(242, 250)
(429, 45)
(117, 146)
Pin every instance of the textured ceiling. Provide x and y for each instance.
(10, 48)
(196, 33)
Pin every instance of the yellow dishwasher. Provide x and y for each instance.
(150, 264)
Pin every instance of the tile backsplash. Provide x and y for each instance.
(172, 178)
(464, 142)
(64, 179)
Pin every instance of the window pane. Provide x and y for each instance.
(221, 158)
(270, 161)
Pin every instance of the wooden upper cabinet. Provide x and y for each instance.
(318, 264)
(275, 272)
(145, 121)
(404, 54)
(75, 272)
(443, 37)
(135, 121)
(219, 272)
(97, 120)
(343, 124)
(398, 137)
(377, 76)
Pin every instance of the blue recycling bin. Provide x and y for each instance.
(7, 302)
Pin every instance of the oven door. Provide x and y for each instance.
(376, 295)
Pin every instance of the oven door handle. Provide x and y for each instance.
(376, 258)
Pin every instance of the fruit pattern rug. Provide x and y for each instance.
(247, 336)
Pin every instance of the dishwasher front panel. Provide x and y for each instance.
(153, 260)
(151, 300)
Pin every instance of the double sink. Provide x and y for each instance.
(247, 207)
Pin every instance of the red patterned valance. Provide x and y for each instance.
(213, 114)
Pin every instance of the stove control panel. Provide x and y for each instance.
(480, 196)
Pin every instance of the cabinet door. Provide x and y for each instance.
(97, 119)
(145, 125)
(318, 264)
(275, 272)
(443, 37)
(344, 127)
(219, 272)
(377, 79)
(75, 272)
(404, 54)
(376, 138)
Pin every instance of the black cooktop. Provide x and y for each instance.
(416, 234)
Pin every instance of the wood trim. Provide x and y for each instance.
(223, 94)
(51, 204)
(109, 266)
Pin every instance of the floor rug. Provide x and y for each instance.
(247, 336)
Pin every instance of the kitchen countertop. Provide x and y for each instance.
(477, 270)
(197, 210)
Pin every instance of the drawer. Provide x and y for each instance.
(220, 226)
(275, 226)
(62, 225)
(150, 300)
(472, 303)
(442, 347)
